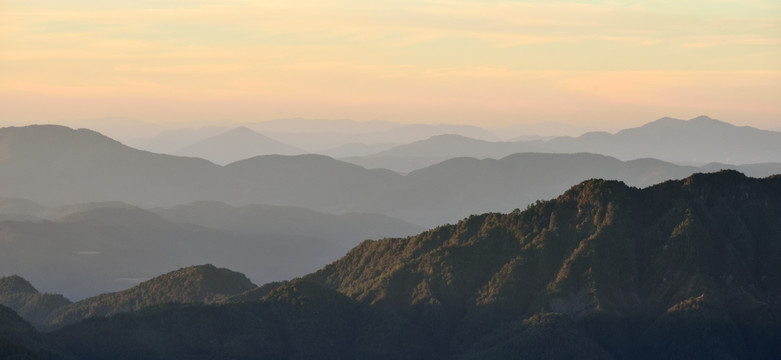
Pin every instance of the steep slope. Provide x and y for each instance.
(13, 333)
(602, 253)
(19, 340)
(203, 283)
(237, 144)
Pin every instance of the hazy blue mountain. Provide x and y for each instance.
(59, 166)
(87, 249)
(356, 149)
(321, 138)
(111, 249)
(56, 165)
(518, 132)
(700, 139)
(697, 141)
(345, 230)
(423, 131)
(236, 144)
(420, 154)
(455, 188)
(313, 181)
(15, 206)
(321, 126)
(57, 213)
(317, 136)
(170, 141)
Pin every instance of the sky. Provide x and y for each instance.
(491, 63)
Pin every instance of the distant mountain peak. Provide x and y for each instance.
(705, 120)
(699, 120)
(237, 144)
(452, 138)
(665, 121)
(16, 284)
(702, 118)
(245, 131)
(196, 283)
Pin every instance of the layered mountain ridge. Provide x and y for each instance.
(442, 193)
(682, 269)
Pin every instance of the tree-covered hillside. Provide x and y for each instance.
(683, 269)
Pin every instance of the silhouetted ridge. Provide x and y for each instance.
(15, 333)
(11, 322)
(297, 320)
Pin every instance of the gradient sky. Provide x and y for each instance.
(603, 64)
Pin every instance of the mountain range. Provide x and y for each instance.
(236, 144)
(55, 165)
(700, 140)
(682, 269)
(86, 249)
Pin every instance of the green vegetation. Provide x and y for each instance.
(684, 269)
(600, 252)
(19, 295)
(203, 283)
(297, 320)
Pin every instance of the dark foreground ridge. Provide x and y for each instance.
(195, 284)
(683, 269)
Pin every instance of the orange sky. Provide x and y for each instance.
(601, 64)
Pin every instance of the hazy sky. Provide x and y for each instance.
(597, 63)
